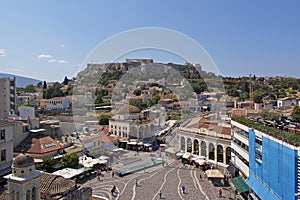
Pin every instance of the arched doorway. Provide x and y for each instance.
(34, 193)
(228, 155)
(196, 147)
(203, 148)
(182, 143)
(211, 151)
(28, 195)
(220, 153)
(189, 145)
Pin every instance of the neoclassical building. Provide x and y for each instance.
(207, 138)
(130, 123)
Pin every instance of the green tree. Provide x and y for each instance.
(66, 80)
(135, 103)
(98, 99)
(154, 100)
(104, 119)
(258, 96)
(29, 88)
(69, 160)
(53, 91)
(39, 84)
(296, 114)
(137, 92)
(45, 85)
(175, 99)
(47, 164)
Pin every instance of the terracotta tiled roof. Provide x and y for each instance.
(105, 130)
(3, 194)
(201, 122)
(54, 185)
(38, 144)
(128, 109)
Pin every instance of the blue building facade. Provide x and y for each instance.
(273, 167)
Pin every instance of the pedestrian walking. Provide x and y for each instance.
(220, 192)
(136, 182)
(183, 189)
(113, 190)
(200, 177)
(112, 174)
(160, 194)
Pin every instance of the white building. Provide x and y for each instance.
(129, 122)
(6, 147)
(58, 103)
(26, 112)
(287, 102)
(240, 148)
(7, 97)
(92, 143)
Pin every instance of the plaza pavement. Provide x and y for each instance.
(167, 178)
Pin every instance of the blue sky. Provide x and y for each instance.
(50, 39)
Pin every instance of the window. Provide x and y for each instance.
(2, 134)
(3, 155)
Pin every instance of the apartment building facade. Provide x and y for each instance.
(7, 97)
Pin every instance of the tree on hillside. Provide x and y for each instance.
(98, 99)
(39, 84)
(29, 88)
(45, 85)
(104, 119)
(137, 92)
(69, 160)
(66, 81)
(154, 100)
(53, 91)
(296, 114)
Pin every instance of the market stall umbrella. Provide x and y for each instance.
(186, 156)
(103, 157)
(214, 173)
(118, 149)
(179, 154)
(102, 161)
(200, 161)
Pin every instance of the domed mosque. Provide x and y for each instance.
(26, 182)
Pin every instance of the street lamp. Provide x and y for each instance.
(234, 189)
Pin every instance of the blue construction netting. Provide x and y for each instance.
(275, 176)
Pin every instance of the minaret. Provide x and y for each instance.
(24, 182)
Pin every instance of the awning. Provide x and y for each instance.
(214, 173)
(260, 190)
(200, 161)
(240, 184)
(132, 143)
(186, 155)
(179, 154)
